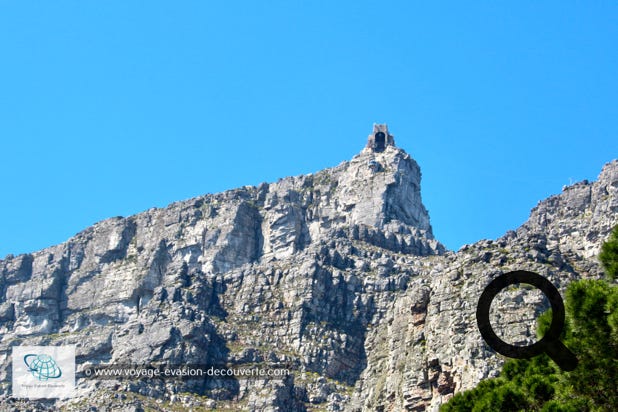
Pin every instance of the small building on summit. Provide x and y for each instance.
(380, 138)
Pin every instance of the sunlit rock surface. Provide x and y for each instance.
(335, 273)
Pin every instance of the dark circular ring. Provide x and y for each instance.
(510, 278)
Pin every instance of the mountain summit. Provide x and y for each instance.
(335, 274)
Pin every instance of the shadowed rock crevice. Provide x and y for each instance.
(119, 239)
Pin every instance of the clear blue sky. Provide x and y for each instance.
(112, 107)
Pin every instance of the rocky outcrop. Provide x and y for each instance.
(335, 274)
(428, 346)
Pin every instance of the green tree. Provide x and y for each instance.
(592, 337)
(609, 255)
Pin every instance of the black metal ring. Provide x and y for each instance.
(550, 343)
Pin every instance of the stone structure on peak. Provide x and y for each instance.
(380, 138)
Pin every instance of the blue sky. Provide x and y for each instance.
(110, 108)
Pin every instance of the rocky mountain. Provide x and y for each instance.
(335, 274)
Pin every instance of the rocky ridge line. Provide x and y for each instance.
(336, 273)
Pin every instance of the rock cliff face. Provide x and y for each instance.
(335, 274)
(427, 346)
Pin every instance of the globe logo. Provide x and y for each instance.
(42, 367)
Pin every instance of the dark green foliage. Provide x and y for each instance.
(503, 398)
(537, 384)
(594, 341)
(465, 401)
(541, 390)
(555, 406)
(609, 255)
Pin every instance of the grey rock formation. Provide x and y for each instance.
(335, 274)
(428, 346)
